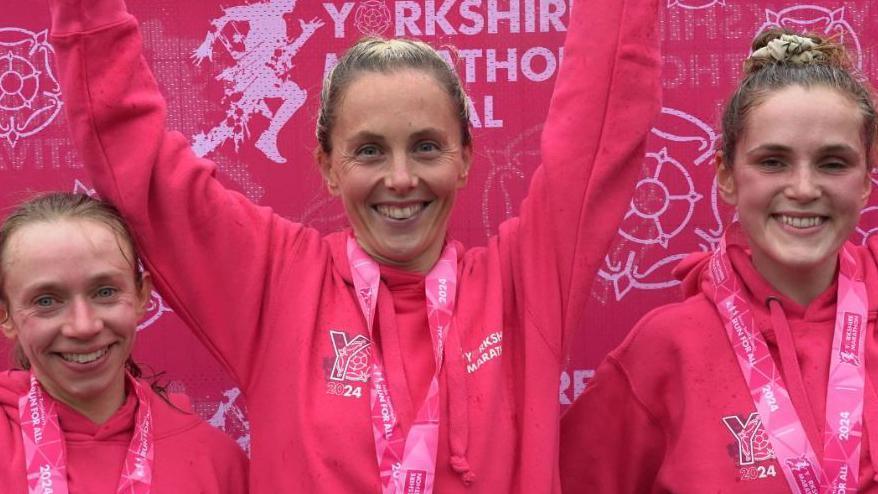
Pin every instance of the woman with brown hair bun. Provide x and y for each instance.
(762, 380)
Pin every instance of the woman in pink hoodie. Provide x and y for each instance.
(76, 417)
(762, 380)
(384, 358)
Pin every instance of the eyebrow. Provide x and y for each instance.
(52, 286)
(828, 149)
(366, 135)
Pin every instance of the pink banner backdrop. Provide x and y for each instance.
(256, 120)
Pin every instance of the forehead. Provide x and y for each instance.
(801, 118)
(48, 245)
(407, 98)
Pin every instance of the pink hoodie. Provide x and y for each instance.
(190, 456)
(274, 301)
(669, 410)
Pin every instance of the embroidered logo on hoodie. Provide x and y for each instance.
(489, 348)
(752, 447)
(351, 357)
(752, 440)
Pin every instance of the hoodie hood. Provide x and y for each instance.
(692, 270)
(172, 414)
(776, 315)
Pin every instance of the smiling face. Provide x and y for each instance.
(397, 161)
(73, 306)
(799, 180)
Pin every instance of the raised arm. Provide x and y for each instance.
(605, 98)
(209, 249)
(610, 443)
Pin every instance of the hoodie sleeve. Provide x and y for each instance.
(610, 443)
(187, 224)
(605, 99)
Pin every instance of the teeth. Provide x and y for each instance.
(84, 358)
(399, 213)
(798, 222)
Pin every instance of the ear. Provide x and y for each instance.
(144, 293)
(867, 186)
(6, 325)
(467, 157)
(330, 177)
(725, 180)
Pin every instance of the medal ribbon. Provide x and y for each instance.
(46, 453)
(839, 472)
(406, 464)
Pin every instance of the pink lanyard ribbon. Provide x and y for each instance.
(839, 472)
(406, 464)
(46, 453)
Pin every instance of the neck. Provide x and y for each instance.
(421, 264)
(801, 284)
(98, 409)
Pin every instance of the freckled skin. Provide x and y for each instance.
(801, 154)
(397, 143)
(70, 289)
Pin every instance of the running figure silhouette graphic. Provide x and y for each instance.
(261, 71)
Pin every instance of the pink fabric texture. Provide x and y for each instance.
(45, 451)
(676, 415)
(407, 463)
(189, 455)
(797, 457)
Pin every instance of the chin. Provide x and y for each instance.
(403, 250)
(806, 258)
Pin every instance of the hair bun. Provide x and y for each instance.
(790, 48)
(779, 46)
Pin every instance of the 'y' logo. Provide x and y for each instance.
(351, 357)
(753, 442)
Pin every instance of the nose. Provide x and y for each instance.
(804, 185)
(400, 176)
(83, 320)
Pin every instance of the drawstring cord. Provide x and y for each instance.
(792, 374)
(458, 414)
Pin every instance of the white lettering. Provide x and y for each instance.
(844, 425)
(478, 21)
(495, 15)
(527, 64)
(550, 13)
(46, 479)
(328, 64)
(510, 64)
(407, 15)
(435, 17)
(339, 16)
(768, 394)
(469, 63)
(443, 291)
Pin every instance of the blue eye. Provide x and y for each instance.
(771, 163)
(368, 151)
(834, 165)
(106, 291)
(45, 301)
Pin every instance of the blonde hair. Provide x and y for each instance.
(55, 206)
(386, 56)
